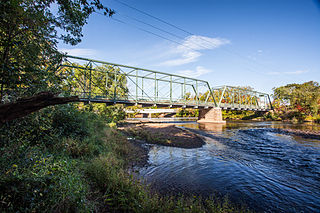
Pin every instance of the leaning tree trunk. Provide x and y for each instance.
(25, 106)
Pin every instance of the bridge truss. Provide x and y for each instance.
(104, 82)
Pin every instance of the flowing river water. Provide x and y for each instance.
(266, 171)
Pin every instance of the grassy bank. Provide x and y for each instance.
(65, 160)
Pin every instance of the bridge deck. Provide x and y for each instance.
(175, 105)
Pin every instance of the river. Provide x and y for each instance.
(266, 171)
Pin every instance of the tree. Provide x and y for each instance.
(304, 97)
(29, 37)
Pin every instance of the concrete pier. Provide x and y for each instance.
(213, 115)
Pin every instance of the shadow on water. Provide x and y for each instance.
(267, 171)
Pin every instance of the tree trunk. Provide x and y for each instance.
(25, 106)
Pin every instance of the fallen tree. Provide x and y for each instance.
(25, 106)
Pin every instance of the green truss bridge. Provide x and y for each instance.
(104, 82)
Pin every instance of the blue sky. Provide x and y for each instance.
(257, 43)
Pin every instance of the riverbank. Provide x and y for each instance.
(61, 159)
(164, 134)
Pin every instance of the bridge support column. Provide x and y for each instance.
(213, 115)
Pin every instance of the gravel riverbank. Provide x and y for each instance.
(163, 134)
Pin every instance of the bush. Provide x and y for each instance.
(44, 184)
(39, 169)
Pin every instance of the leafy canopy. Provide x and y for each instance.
(303, 97)
(29, 33)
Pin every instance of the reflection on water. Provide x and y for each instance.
(212, 127)
(269, 172)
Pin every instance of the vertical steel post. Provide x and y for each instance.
(85, 84)
(115, 86)
(107, 78)
(142, 87)
(197, 93)
(181, 91)
(136, 85)
(157, 89)
(239, 93)
(184, 90)
(90, 80)
(232, 98)
(155, 86)
(170, 88)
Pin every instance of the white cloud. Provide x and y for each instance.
(186, 57)
(189, 50)
(80, 52)
(196, 42)
(194, 73)
(298, 72)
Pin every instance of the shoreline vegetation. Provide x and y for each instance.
(69, 158)
(62, 159)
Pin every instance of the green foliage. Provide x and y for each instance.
(120, 192)
(50, 165)
(296, 102)
(44, 184)
(28, 41)
(303, 98)
(39, 160)
(135, 110)
(111, 114)
(188, 113)
(114, 113)
(241, 115)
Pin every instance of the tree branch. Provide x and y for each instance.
(25, 106)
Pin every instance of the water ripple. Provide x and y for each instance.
(268, 171)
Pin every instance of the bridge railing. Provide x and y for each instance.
(101, 81)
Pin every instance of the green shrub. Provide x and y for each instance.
(38, 172)
(45, 184)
